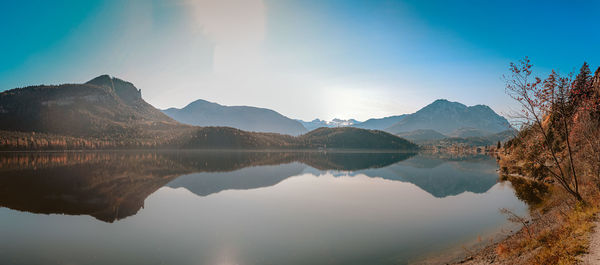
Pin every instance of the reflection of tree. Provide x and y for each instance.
(528, 191)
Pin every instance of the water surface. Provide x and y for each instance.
(244, 207)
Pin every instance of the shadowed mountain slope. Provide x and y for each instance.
(103, 106)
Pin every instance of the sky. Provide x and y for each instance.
(306, 58)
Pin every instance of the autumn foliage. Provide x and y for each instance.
(553, 164)
(559, 119)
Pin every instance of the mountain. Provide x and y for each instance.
(109, 113)
(380, 124)
(104, 113)
(318, 123)
(440, 119)
(421, 136)
(102, 106)
(343, 123)
(447, 117)
(354, 138)
(204, 113)
(314, 124)
(207, 183)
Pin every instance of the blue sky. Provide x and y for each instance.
(305, 59)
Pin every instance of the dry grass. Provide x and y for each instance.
(564, 242)
(557, 231)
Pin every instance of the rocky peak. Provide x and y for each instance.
(443, 106)
(201, 103)
(103, 81)
(125, 90)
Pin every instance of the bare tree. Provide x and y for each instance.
(545, 107)
(514, 218)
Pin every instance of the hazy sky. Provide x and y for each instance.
(304, 58)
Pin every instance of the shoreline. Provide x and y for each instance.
(333, 150)
(556, 230)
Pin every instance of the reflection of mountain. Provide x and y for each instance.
(204, 184)
(352, 161)
(111, 186)
(442, 177)
(106, 186)
(207, 183)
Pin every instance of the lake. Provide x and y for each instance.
(227, 207)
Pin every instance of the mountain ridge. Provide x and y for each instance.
(204, 113)
(446, 117)
(381, 123)
(336, 122)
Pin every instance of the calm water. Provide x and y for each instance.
(244, 207)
